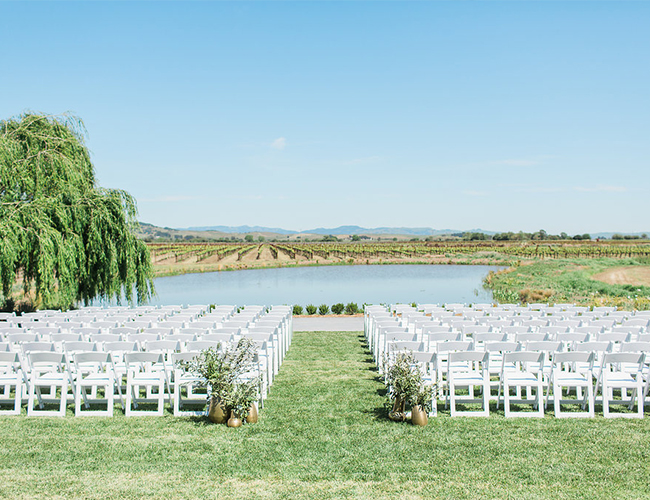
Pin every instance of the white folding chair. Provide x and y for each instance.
(47, 370)
(141, 372)
(426, 363)
(11, 375)
(442, 353)
(527, 372)
(495, 351)
(471, 370)
(623, 371)
(184, 380)
(572, 370)
(94, 370)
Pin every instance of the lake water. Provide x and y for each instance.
(376, 284)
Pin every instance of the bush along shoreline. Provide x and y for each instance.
(338, 309)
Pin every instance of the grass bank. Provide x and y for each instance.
(324, 434)
(491, 259)
(568, 280)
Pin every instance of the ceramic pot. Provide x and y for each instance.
(252, 414)
(216, 412)
(234, 421)
(419, 416)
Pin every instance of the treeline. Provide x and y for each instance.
(540, 235)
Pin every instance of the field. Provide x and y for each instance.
(177, 258)
(324, 433)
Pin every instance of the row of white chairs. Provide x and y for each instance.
(23, 359)
(386, 337)
(169, 319)
(381, 320)
(97, 378)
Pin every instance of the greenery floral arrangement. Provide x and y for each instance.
(225, 370)
(406, 384)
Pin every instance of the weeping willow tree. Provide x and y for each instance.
(64, 239)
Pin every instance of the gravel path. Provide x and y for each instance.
(318, 324)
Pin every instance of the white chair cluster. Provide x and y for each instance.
(526, 355)
(96, 355)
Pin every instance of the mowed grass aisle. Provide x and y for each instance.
(324, 434)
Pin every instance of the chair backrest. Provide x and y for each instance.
(159, 330)
(96, 360)
(573, 357)
(635, 347)
(105, 337)
(453, 345)
(482, 338)
(401, 337)
(66, 337)
(184, 356)
(181, 337)
(162, 346)
(405, 346)
(591, 330)
(37, 346)
(570, 338)
(617, 338)
(613, 361)
(524, 358)
(501, 346)
(79, 346)
(443, 337)
(593, 346)
(142, 359)
(125, 330)
(265, 337)
(202, 345)
(141, 338)
(122, 346)
(435, 329)
(218, 337)
(545, 345)
(39, 360)
(468, 356)
(424, 356)
(531, 337)
(9, 362)
(19, 338)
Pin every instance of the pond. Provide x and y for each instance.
(373, 284)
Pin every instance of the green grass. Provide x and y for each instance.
(324, 433)
(568, 280)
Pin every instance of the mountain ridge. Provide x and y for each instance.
(340, 230)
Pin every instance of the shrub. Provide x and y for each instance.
(297, 310)
(323, 309)
(351, 308)
(338, 308)
(311, 309)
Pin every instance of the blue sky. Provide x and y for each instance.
(498, 115)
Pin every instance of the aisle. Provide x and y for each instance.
(326, 375)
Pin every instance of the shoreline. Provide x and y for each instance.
(210, 268)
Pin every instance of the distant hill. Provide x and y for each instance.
(336, 231)
(151, 232)
(241, 229)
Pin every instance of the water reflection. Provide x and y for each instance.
(328, 285)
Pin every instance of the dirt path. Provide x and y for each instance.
(632, 275)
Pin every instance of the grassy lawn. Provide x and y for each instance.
(324, 433)
(569, 280)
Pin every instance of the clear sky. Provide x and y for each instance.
(504, 116)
